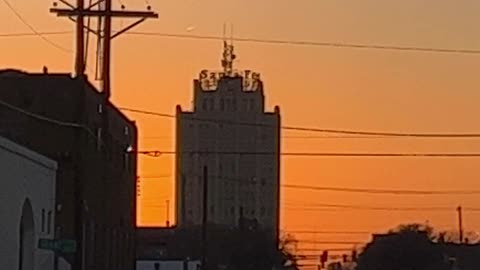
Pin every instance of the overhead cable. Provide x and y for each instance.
(313, 43)
(20, 17)
(159, 153)
(310, 129)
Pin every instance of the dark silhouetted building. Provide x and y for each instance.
(67, 120)
(230, 132)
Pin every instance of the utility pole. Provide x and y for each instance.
(205, 219)
(80, 47)
(105, 14)
(56, 255)
(460, 224)
(102, 10)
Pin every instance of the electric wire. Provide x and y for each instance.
(288, 42)
(370, 191)
(311, 129)
(159, 153)
(383, 191)
(20, 17)
(312, 43)
(47, 119)
(322, 206)
(304, 137)
(29, 34)
(325, 232)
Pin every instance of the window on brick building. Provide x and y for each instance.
(212, 104)
(222, 104)
(205, 105)
(43, 220)
(99, 138)
(49, 222)
(263, 181)
(251, 105)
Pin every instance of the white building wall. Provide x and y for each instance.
(25, 176)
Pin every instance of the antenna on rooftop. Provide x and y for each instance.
(228, 53)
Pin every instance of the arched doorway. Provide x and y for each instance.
(26, 238)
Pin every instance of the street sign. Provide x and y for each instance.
(58, 245)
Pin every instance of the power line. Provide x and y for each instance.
(167, 115)
(292, 42)
(20, 17)
(383, 191)
(330, 242)
(313, 43)
(306, 137)
(312, 129)
(323, 206)
(47, 119)
(325, 232)
(159, 153)
(6, 35)
(359, 190)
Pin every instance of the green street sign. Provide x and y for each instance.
(58, 245)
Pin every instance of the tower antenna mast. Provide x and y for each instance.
(228, 53)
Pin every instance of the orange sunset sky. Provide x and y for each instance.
(358, 89)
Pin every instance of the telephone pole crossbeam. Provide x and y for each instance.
(104, 12)
(61, 12)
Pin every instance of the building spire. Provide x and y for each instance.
(228, 53)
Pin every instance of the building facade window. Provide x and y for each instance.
(230, 105)
(49, 222)
(99, 138)
(262, 211)
(43, 220)
(211, 104)
(205, 105)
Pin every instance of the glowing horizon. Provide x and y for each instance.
(344, 88)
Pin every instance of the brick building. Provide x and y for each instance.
(67, 120)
